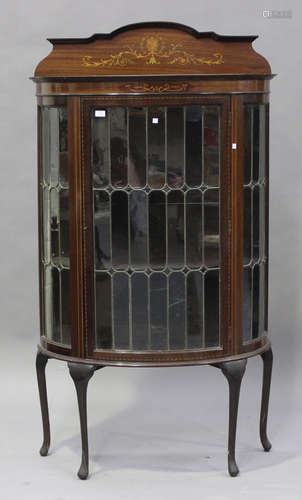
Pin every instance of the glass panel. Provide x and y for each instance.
(211, 301)
(194, 146)
(100, 149)
(158, 311)
(247, 225)
(137, 147)
(256, 222)
(157, 229)
(154, 222)
(256, 301)
(177, 310)
(121, 310)
(176, 229)
(254, 279)
(118, 146)
(66, 319)
(195, 312)
(194, 234)
(140, 318)
(255, 144)
(248, 127)
(55, 277)
(64, 227)
(103, 311)
(247, 303)
(102, 245)
(156, 147)
(139, 229)
(211, 146)
(55, 231)
(211, 228)
(175, 147)
(119, 215)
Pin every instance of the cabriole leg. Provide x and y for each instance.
(267, 358)
(233, 371)
(81, 374)
(41, 361)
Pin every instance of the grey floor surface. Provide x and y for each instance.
(154, 434)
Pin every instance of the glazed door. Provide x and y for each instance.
(157, 249)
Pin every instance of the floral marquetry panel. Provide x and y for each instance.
(156, 209)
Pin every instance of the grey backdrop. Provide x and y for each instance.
(150, 435)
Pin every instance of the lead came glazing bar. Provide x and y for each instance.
(54, 226)
(55, 278)
(247, 225)
(195, 299)
(175, 224)
(256, 214)
(157, 229)
(175, 147)
(194, 149)
(177, 310)
(158, 311)
(139, 289)
(137, 147)
(212, 306)
(247, 304)
(103, 311)
(138, 229)
(102, 244)
(194, 212)
(211, 240)
(64, 227)
(119, 214)
(156, 147)
(121, 310)
(256, 294)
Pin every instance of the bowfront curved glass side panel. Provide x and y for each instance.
(156, 192)
(55, 224)
(254, 244)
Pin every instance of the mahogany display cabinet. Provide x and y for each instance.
(153, 157)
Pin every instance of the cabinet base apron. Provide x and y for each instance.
(82, 371)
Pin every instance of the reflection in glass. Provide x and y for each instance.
(211, 301)
(175, 147)
(177, 310)
(211, 145)
(121, 310)
(140, 320)
(194, 228)
(176, 229)
(118, 146)
(137, 147)
(102, 247)
(194, 146)
(156, 147)
(247, 218)
(157, 229)
(103, 311)
(119, 214)
(63, 139)
(100, 150)
(195, 309)
(138, 229)
(54, 225)
(211, 228)
(158, 310)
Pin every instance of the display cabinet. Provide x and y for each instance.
(153, 207)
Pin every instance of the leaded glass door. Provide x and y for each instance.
(156, 177)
